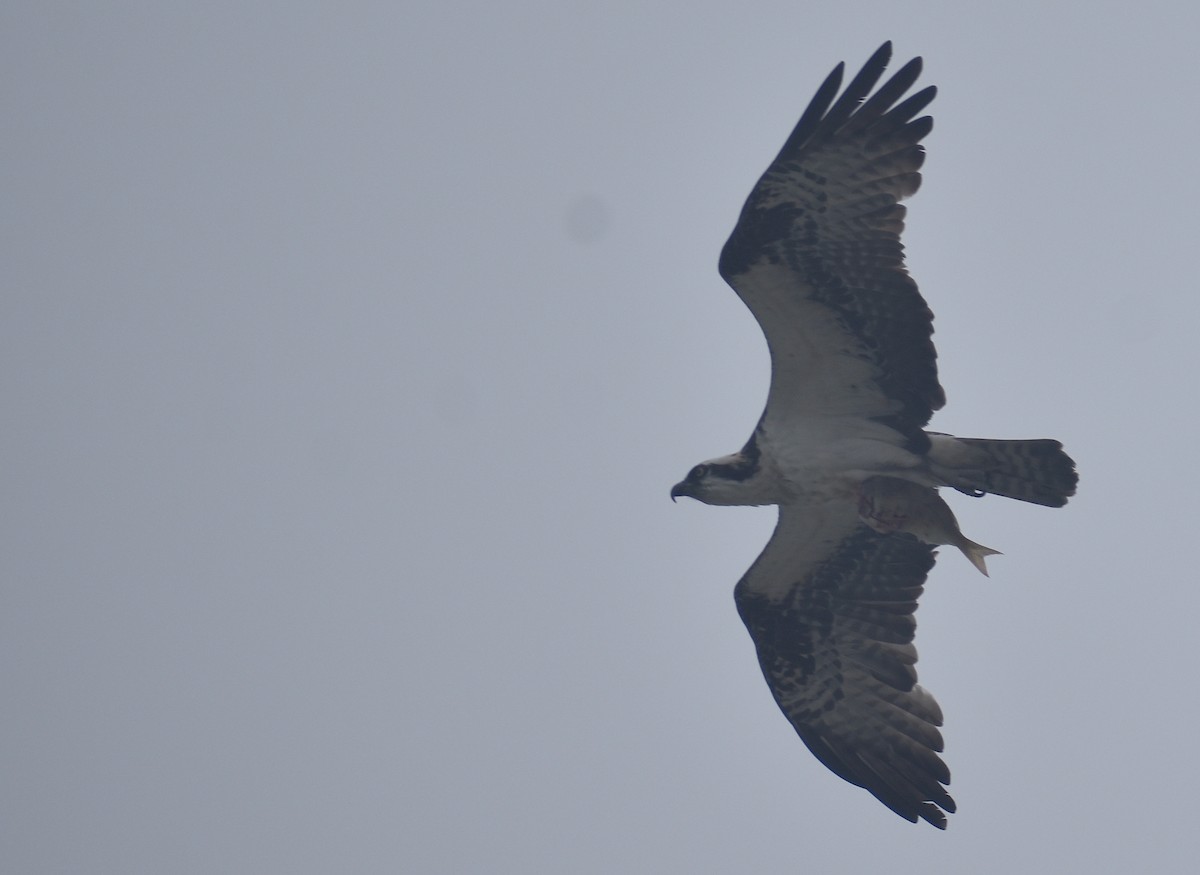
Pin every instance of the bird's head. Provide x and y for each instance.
(692, 486)
(729, 480)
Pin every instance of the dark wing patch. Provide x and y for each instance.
(816, 256)
(835, 644)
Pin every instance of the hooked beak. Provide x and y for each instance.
(680, 489)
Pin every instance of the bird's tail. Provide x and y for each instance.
(1037, 471)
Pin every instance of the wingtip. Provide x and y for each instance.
(935, 816)
(878, 61)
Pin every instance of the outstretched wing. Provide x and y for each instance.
(830, 604)
(816, 256)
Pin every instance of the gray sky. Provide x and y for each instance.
(349, 357)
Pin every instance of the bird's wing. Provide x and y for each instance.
(816, 256)
(830, 604)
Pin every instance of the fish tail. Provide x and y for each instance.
(976, 553)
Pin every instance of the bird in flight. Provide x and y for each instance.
(841, 447)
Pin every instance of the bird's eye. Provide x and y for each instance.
(699, 472)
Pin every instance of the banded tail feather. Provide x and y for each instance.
(1037, 471)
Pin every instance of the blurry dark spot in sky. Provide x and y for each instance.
(587, 218)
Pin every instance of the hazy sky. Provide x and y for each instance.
(350, 352)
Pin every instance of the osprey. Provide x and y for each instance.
(841, 446)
